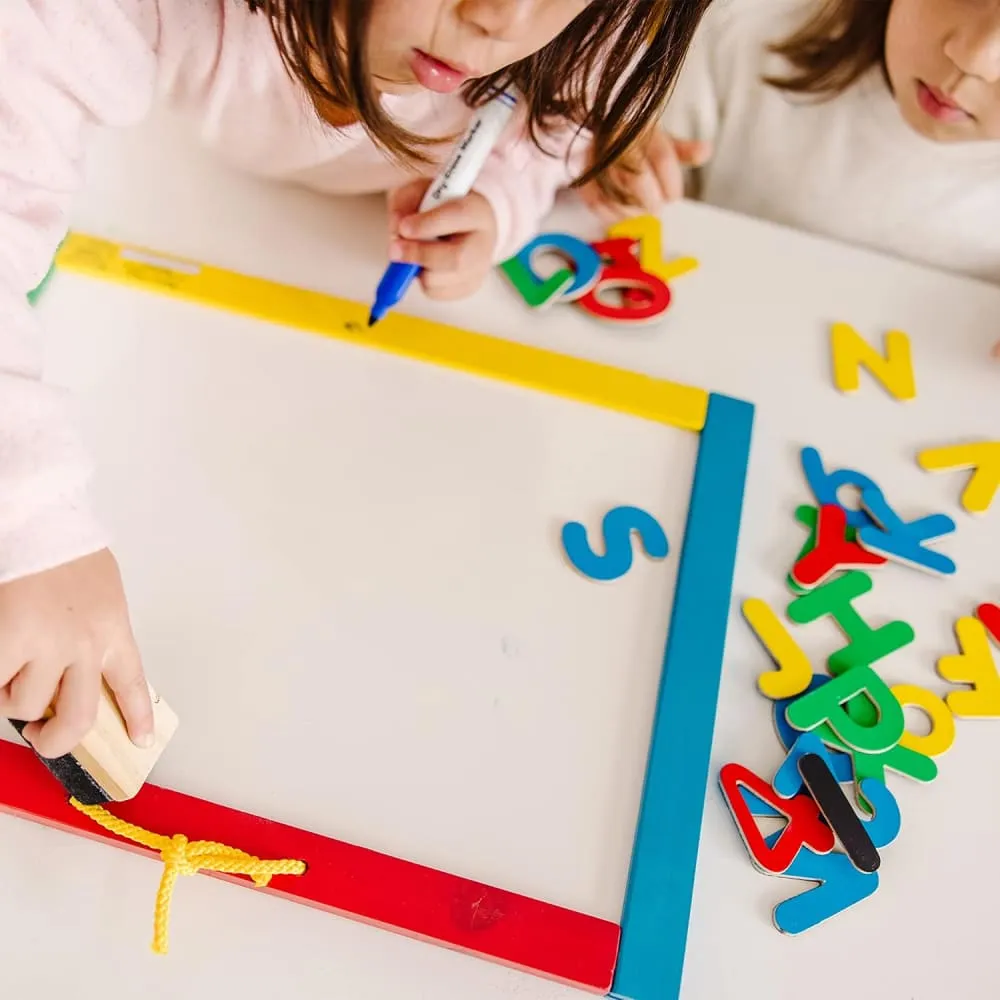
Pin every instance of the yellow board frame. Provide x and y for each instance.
(424, 340)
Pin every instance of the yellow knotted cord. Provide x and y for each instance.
(183, 857)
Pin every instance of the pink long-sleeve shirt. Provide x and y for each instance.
(68, 66)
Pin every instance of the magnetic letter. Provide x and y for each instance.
(866, 644)
(900, 759)
(825, 486)
(809, 518)
(989, 615)
(566, 283)
(805, 827)
(942, 733)
(982, 457)
(859, 767)
(646, 229)
(851, 353)
(832, 551)
(974, 666)
(825, 705)
(838, 812)
(622, 270)
(617, 526)
(840, 762)
(884, 826)
(903, 541)
(793, 668)
(788, 781)
(841, 884)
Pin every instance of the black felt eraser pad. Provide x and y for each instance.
(71, 775)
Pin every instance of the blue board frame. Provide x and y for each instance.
(665, 850)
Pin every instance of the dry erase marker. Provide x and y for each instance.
(454, 181)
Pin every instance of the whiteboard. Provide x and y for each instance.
(346, 577)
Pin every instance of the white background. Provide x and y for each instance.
(345, 576)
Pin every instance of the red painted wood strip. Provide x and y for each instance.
(351, 881)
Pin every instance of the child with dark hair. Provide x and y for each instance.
(876, 122)
(342, 95)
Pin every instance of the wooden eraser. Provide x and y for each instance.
(107, 766)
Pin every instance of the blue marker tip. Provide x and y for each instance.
(397, 279)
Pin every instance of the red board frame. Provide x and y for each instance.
(345, 879)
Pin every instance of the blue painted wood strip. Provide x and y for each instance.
(665, 852)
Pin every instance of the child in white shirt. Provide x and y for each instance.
(875, 122)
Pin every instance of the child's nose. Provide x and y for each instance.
(974, 48)
(501, 20)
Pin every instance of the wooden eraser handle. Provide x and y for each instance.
(112, 759)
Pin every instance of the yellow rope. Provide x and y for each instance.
(183, 857)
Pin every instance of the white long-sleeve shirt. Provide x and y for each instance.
(67, 66)
(849, 168)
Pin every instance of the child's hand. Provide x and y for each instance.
(657, 176)
(60, 632)
(453, 243)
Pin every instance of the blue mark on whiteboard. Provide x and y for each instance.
(617, 528)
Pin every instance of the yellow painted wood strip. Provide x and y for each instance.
(490, 357)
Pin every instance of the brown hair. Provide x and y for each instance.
(582, 76)
(841, 42)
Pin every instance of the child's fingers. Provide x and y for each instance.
(30, 693)
(590, 195)
(75, 711)
(692, 152)
(11, 661)
(607, 211)
(665, 164)
(405, 200)
(458, 254)
(647, 188)
(443, 255)
(122, 670)
(464, 215)
(448, 287)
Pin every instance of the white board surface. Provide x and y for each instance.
(345, 568)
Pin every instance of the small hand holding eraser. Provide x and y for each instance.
(106, 766)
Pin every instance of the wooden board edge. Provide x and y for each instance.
(665, 852)
(461, 914)
(420, 339)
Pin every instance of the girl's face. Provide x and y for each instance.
(943, 59)
(440, 44)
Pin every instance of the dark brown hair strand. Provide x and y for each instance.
(596, 75)
(838, 45)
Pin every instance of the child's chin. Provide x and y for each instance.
(397, 89)
(928, 127)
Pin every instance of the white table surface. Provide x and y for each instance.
(302, 527)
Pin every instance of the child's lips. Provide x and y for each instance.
(939, 105)
(436, 75)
